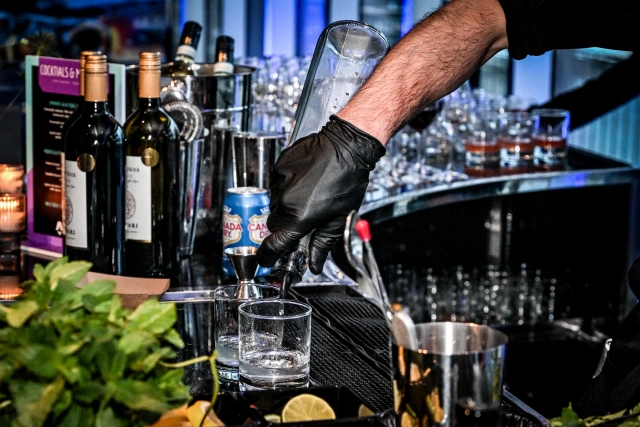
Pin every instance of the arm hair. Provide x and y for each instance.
(430, 61)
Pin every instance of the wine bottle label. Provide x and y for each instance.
(75, 187)
(138, 200)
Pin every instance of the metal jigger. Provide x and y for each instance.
(244, 260)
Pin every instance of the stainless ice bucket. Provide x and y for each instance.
(453, 378)
(226, 102)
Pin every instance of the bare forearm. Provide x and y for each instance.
(432, 60)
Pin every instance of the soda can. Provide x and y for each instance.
(244, 222)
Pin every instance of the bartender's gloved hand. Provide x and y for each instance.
(315, 183)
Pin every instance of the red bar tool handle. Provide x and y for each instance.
(362, 227)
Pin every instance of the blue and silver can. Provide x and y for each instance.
(244, 222)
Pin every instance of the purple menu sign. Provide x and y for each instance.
(59, 76)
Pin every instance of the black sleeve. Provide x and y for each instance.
(613, 88)
(537, 26)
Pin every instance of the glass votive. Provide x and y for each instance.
(11, 178)
(514, 139)
(481, 146)
(550, 133)
(10, 276)
(13, 212)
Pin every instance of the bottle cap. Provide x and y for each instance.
(95, 70)
(191, 34)
(150, 61)
(84, 54)
(149, 82)
(224, 49)
(82, 60)
(96, 64)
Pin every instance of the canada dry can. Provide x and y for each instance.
(244, 222)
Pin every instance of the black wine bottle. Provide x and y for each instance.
(152, 200)
(186, 53)
(78, 111)
(93, 162)
(224, 56)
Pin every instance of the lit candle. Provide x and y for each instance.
(9, 277)
(11, 178)
(12, 213)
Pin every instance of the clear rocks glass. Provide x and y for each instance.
(274, 344)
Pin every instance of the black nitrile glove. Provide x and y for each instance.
(315, 183)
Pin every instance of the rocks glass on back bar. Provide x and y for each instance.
(274, 344)
(550, 133)
(516, 147)
(227, 300)
(482, 152)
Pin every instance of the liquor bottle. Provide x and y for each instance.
(186, 53)
(93, 164)
(224, 56)
(152, 205)
(78, 111)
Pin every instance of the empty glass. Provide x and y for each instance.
(274, 344)
(227, 300)
(550, 133)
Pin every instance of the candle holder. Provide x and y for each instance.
(10, 277)
(12, 221)
(11, 178)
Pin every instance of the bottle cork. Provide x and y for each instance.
(95, 70)
(149, 83)
(83, 56)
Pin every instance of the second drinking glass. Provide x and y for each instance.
(516, 148)
(550, 133)
(227, 300)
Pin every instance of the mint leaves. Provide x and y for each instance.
(74, 357)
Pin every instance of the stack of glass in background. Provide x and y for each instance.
(486, 296)
(277, 87)
(465, 134)
(469, 134)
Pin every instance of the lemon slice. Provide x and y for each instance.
(363, 411)
(307, 407)
(273, 418)
(195, 414)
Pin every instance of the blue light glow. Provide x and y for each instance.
(407, 17)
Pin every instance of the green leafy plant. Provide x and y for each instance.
(625, 418)
(75, 357)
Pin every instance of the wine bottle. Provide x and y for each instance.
(224, 56)
(186, 53)
(93, 174)
(152, 154)
(78, 111)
